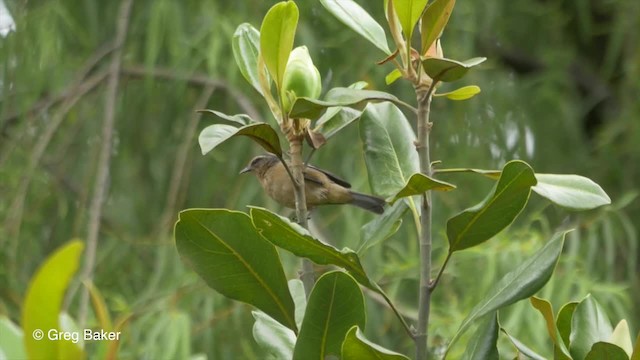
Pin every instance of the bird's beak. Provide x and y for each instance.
(245, 170)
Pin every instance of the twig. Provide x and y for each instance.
(100, 187)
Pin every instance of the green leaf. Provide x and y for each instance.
(621, 336)
(261, 133)
(11, 341)
(497, 211)
(520, 283)
(273, 338)
(356, 98)
(277, 33)
(246, 49)
(589, 325)
(447, 70)
(337, 118)
(463, 93)
(357, 347)
(636, 349)
(563, 321)
(359, 20)
(389, 152)
(43, 302)
(605, 350)
(335, 305)
(391, 77)
(241, 119)
(294, 238)
(545, 308)
(296, 288)
(483, 343)
(571, 191)
(418, 184)
(382, 227)
(524, 349)
(434, 20)
(227, 252)
(409, 12)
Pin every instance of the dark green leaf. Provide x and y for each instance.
(563, 321)
(589, 325)
(292, 237)
(231, 257)
(339, 96)
(262, 133)
(545, 308)
(418, 184)
(524, 349)
(274, 339)
(359, 20)
(604, 350)
(409, 12)
(434, 20)
(277, 33)
(389, 152)
(483, 343)
(357, 347)
(447, 70)
(335, 305)
(382, 227)
(463, 93)
(522, 282)
(246, 49)
(241, 119)
(571, 191)
(497, 211)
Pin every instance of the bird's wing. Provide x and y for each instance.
(332, 177)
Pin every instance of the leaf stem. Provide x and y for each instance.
(406, 326)
(435, 282)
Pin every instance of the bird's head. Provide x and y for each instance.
(260, 164)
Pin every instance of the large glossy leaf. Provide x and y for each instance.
(240, 119)
(483, 343)
(339, 96)
(571, 191)
(227, 252)
(337, 118)
(418, 184)
(335, 305)
(524, 349)
(357, 347)
(409, 12)
(463, 93)
(275, 340)
(545, 308)
(520, 283)
(292, 237)
(43, 302)
(447, 70)
(604, 350)
(277, 33)
(246, 49)
(434, 20)
(589, 325)
(359, 20)
(11, 340)
(389, 152)
(497, 211)
(261, 133)
(563, 321)
(383, 226)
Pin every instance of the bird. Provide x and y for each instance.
(321, 186)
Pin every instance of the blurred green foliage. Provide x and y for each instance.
(559, 91)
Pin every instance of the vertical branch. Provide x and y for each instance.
(422, 146)
(100, 187)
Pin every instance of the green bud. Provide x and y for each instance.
(301, 78)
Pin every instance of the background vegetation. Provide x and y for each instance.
(560, 91)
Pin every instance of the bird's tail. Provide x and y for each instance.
(368, 202)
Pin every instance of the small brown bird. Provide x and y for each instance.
(321, 187)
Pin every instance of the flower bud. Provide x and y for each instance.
(301, 78)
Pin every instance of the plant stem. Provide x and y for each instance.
(422, 146)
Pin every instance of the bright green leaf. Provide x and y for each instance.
(497, 211)
(11, 340)
(294, 238)
(448, 70)
(43, 302)
(483, 343)
(520, 283)
(434, 20)
(261, 133)
(418, 184)
(463, 93)
(391, 77)
(335, 305)
(604, 350)
(296, 288)
(275, 339)
(227, 252)
(357, 347)
(389, 152)
(545, 308)
(571, 191)
(241, 119)
(621, 336)
(524, 349)
(246, 49)
(589, 325)
(277, 33)
(409, 12)
(337, 118)
(359, 20)
(563, 321)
